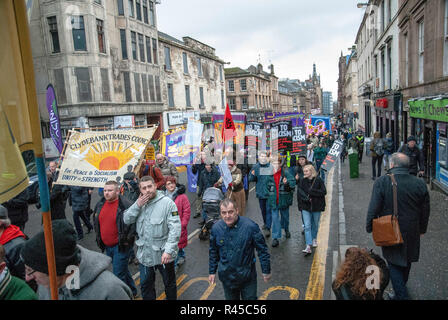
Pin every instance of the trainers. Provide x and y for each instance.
(267, 233)
(180, 261)
(275, 243)
(314, 243)
(307, 250)
(287, 234)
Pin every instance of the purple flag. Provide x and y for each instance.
(55, 126)
(192, 179)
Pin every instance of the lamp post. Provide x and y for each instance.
(362, 4)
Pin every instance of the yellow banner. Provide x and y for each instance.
(94, 157)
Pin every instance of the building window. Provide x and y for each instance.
(127, 86)
(154, 51)
(138, 10)
(145, 87)
(134, 45)
(185, 60)
(145, 11)
(383, 70)
(167, 58)
(124, 50)
(201, 97)
(406, 59)
(100, 31)
(243, 85)
(220, 73)
(138, 92)
(389, 65)
(83, 81)
(222, 98)
(231, 86)
(151, 13)
(105, 84)
(421, 50)
(244, 102)
(151, 87)
(131, 8)
(389, 11)
(52, 23)
(141, 47)
(120, 7)
(148, 49)
(98, 1)
(187, 96)
(232, 103)
(199, 67)
(170, 96)
(59, 86)
(79, 35)
(157, 82)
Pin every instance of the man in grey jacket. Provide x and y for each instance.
(168, 168)
(158, 228)
(81, 274)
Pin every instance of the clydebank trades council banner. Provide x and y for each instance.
(94, 157)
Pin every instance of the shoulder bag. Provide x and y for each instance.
(386, 231)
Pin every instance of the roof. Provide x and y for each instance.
(170, 38)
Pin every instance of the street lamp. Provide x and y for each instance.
(362, 4)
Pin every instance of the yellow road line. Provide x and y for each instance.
(178, 281)
(316, 282)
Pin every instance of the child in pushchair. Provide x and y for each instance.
(210, 205)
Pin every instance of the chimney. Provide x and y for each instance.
(272, 69)
(259, 68)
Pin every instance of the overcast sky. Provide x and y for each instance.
(291, 34)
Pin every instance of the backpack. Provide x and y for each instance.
(379, 147)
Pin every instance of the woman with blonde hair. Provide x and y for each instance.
(311, 202)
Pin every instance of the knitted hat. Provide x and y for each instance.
(66, 252)
(411, 138)
(3, 213)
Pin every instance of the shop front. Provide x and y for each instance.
(386, 112)
(429, 125)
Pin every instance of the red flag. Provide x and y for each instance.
(228, 127)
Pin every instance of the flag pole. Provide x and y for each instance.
(21, 20)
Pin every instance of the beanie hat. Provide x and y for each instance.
(411, 138)
(66, 252)
(3, 213)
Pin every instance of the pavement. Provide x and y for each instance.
(429, 276)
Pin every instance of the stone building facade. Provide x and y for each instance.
(102, 58)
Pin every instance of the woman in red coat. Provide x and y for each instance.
(177, 193)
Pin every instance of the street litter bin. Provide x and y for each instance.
(354, 164)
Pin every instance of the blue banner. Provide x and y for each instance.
(192, 179)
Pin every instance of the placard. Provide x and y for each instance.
(281, 136)
(298, 140)
(332, 155)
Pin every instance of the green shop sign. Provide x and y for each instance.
(431, 109)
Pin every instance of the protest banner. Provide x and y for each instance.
(298, 140)
(239, 119)
(92, 158)
(175, 147)
(253, 133)
(281, 136)
(332, 155)
(53, 114)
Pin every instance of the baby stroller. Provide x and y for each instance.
(210, 204)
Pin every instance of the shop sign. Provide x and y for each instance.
(382, 103)
(433, 109)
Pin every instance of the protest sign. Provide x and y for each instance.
(281, 136)
(225, 172)
(332, 155)
(298, 140)
(92, 158)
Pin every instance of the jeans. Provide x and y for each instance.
(379, 160)
(247, 291)
(386, 161)
(311, 220)
(180, 254)
(265, 212)
(120, 266)
(280, 219)
(399, 277)
(77, 222)
(148, 277)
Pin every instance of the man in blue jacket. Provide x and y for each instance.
(233, 241)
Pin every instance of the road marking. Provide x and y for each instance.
(178, 281)
(207, 292)
(333, 273)
(315, 288)
(293, 292)
(252, 189)
(342, 231)
(194, 233)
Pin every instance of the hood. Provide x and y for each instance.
(180, 189)
(159, 195)
(11, 233)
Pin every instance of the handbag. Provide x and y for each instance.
(386, 230)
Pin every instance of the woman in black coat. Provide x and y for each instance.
(311, 201)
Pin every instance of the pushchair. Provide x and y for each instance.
(210, 204)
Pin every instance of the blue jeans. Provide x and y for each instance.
(148, 277)
(247, 291)
(265, 212)
(180, 254)
(399, 277)
(120, 262)
(311, 220)
(280, 219)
